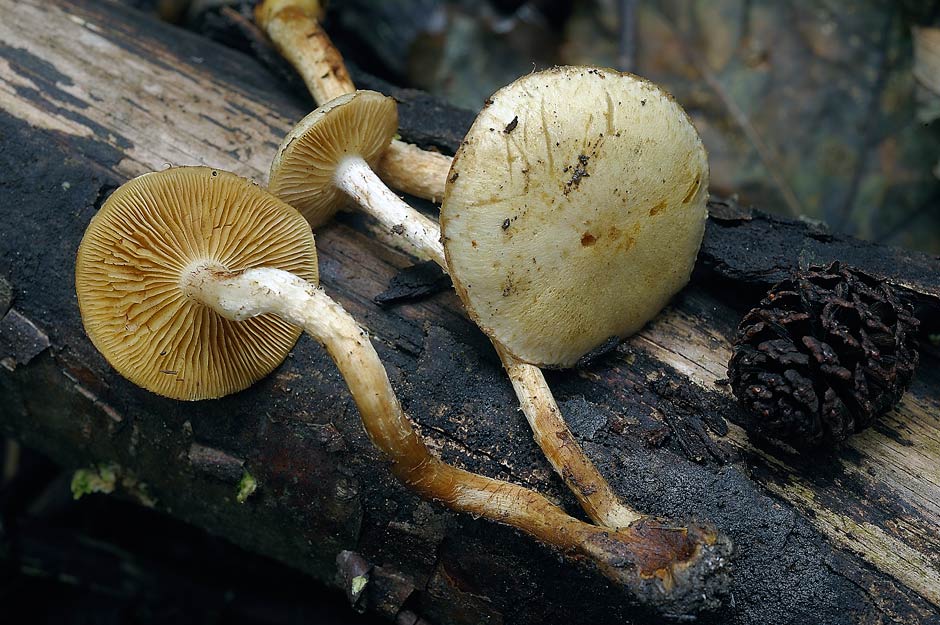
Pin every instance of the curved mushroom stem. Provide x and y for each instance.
(560, 447)
(680, 569)
(294, 28)
(358, 181)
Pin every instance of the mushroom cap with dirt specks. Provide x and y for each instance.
(362, 124)
(573, 211)
(139, 245)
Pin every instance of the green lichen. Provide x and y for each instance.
(246, 487)
(97, 479)
(358, 585)
(104, 478)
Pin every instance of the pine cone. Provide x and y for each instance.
(823, 355)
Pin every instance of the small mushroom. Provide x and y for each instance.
(294, 28)
(189, 260)
(328, 158)
(582, 222)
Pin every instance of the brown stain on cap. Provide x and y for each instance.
(658, 208)
(613, 237)
(624, 240)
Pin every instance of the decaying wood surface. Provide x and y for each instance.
(93, 94)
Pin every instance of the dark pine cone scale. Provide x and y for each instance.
(825, 353)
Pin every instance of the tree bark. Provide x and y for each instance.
(93, 94)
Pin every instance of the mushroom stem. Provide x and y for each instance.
(294, 28)
(356, 179)
(414, 171)
(359, 182)
(560, 447)
(653, 560)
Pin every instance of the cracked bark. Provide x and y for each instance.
(841, 539)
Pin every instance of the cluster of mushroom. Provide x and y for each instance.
(330, 155)
(559, 228)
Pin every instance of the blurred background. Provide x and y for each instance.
(817, 109)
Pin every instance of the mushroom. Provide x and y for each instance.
(328, 154)
(328, 157)
(294, 28)
(135, 255)
(184, 264)
(574, 211)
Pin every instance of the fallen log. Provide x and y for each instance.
(93, 94)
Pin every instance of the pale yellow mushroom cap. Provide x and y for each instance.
(574, 211)
(362, 124)
(137, 248)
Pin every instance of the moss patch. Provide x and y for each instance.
(98, 479)
(104, 478)
(246, 487)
